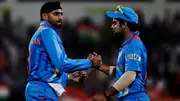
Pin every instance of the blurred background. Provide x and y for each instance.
(87, 29)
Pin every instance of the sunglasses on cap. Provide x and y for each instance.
(120, 10)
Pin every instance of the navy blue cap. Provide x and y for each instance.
(50, 6)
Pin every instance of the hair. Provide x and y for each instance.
(132, 26)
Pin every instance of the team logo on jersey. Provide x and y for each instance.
(133, 57)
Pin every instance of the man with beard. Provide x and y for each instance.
(130, 70)
(48, 64)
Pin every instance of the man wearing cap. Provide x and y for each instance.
(130, 70)
(48, 64)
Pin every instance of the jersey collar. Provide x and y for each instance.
(130, 38)
(47, 24)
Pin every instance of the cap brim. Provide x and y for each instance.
(110, 14)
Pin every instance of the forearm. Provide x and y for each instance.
(109, 70)
(105, 68)
(126, 79)
(71, 65)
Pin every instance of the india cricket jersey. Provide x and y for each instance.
(47, 60)
(132, 57)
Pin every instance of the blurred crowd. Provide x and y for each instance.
(160, 36)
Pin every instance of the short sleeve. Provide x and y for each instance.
(133, 57)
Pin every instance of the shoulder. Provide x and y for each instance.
(136, 43)
(46, 30)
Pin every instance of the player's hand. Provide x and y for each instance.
(96, 59)
(90, 56)
(78, 76)
(99, 97)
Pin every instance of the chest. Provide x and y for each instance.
(121, 60)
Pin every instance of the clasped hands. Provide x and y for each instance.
(96, 60)
(80, 76)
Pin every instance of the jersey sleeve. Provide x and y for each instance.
(58, 56)
(64, 78)
(133, 57)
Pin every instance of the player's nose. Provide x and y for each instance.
(112, 26)
(61, 17)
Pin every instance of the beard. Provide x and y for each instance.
(117, 31)
(57, 24)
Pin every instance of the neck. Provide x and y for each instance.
(128, 34)
(57, 29)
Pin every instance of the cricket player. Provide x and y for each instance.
(131, 69)
(48, 64)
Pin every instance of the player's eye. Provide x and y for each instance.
(57, 13)
(114, 22)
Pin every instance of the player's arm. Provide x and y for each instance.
(124, 82)
(68, 76)
(58, 57)
(132, 68)
(71, 76)
(71, 65)
(109, 70)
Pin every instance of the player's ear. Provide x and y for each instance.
(124, 25)
(45, 16)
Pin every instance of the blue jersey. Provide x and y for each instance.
(132, 57)
(47, 60)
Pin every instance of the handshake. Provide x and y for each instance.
(80, 76)
(96, 60)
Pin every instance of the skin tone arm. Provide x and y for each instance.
(126, 79)
(109, 70)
